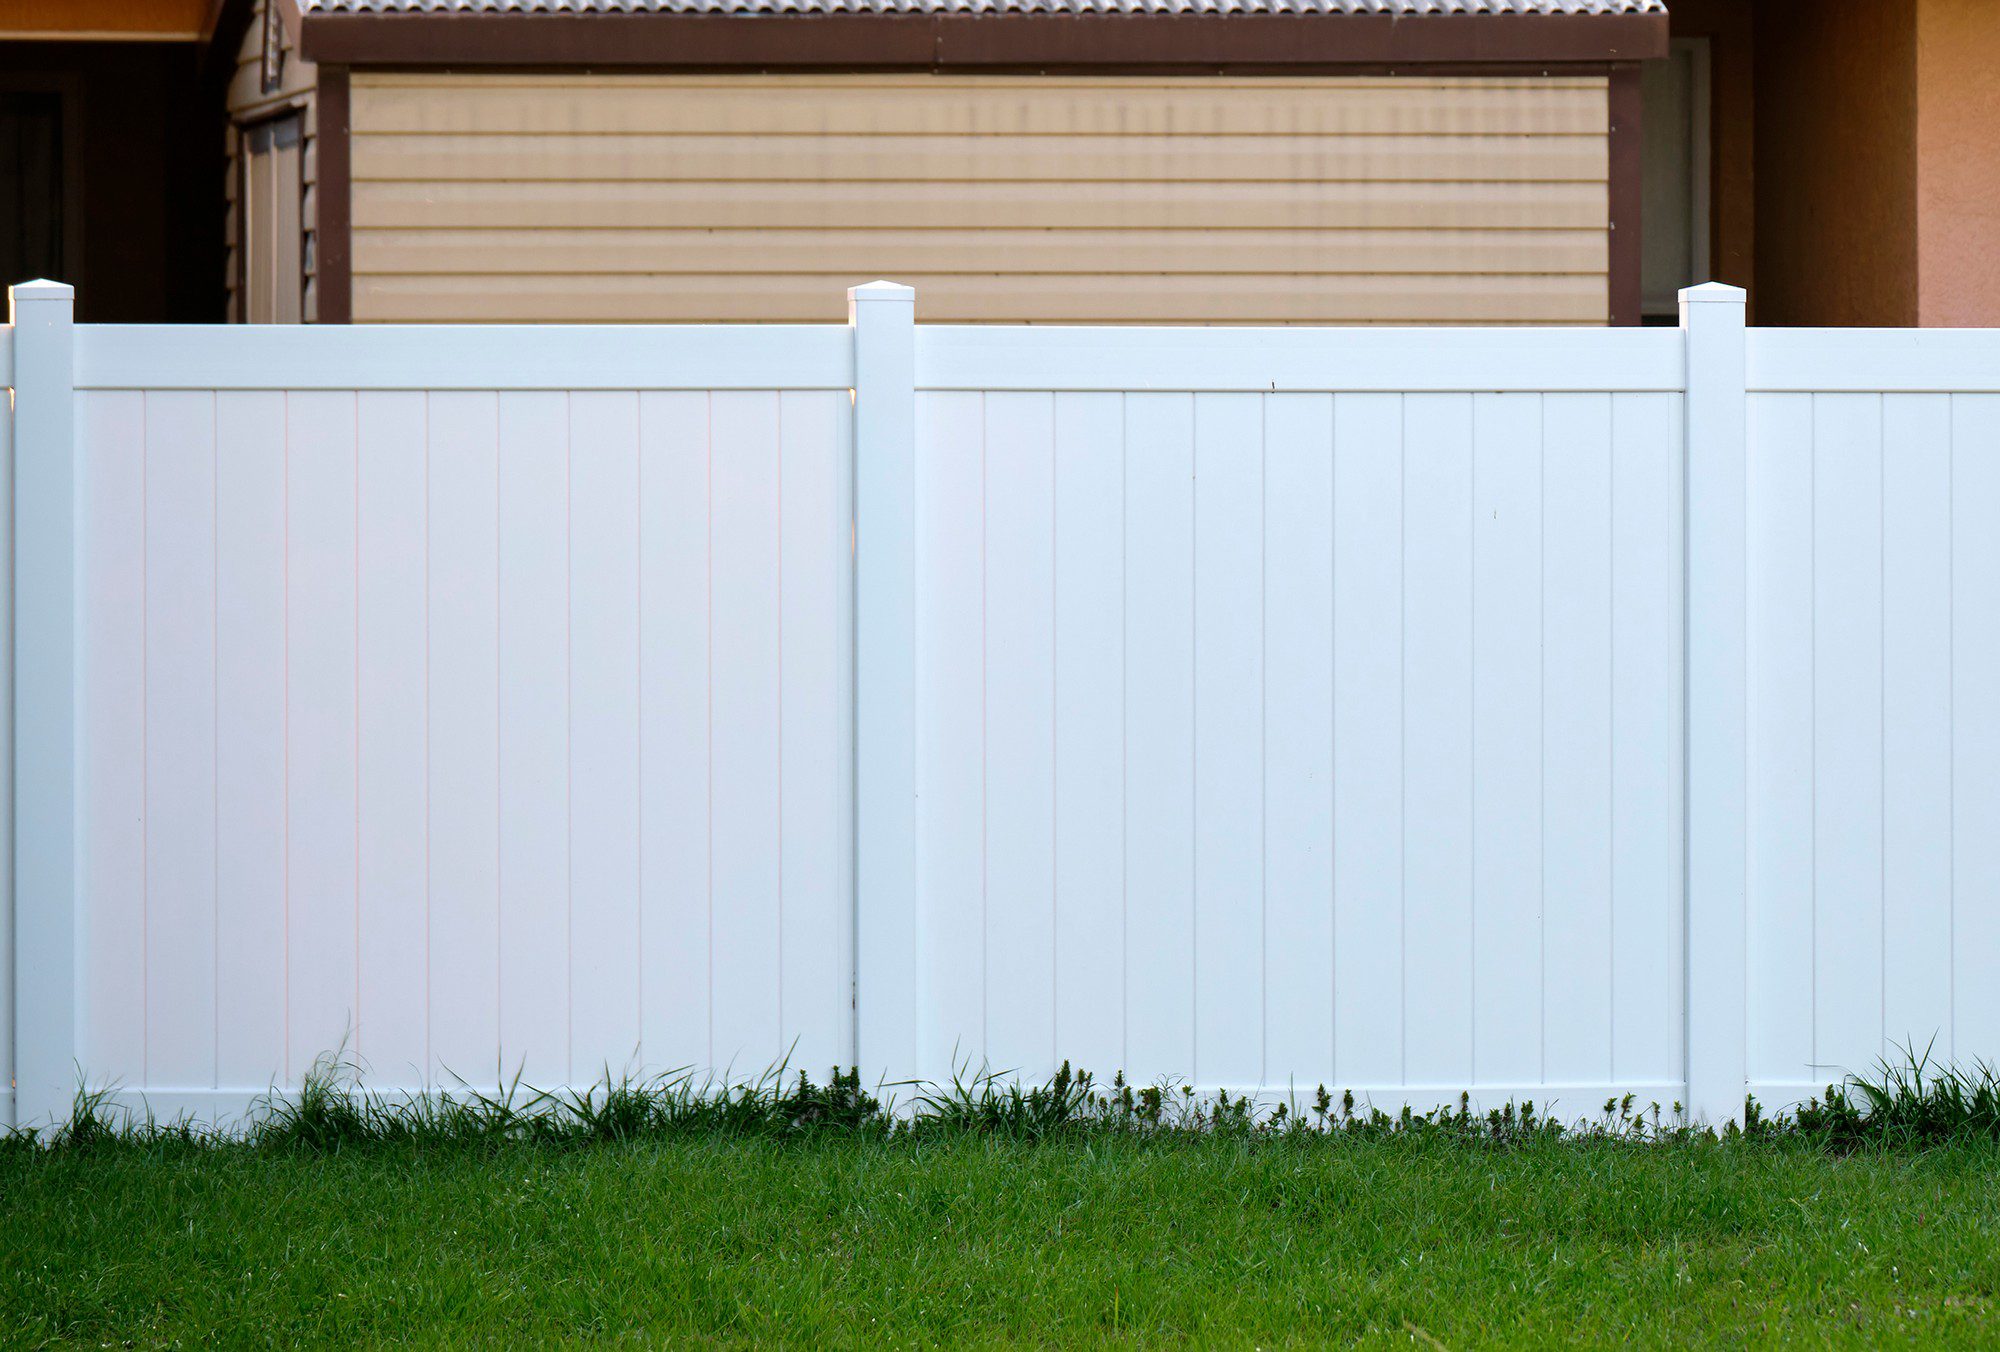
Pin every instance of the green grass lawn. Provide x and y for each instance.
(1196, 1239)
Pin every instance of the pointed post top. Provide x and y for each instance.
(881, 291)
(42, 289)
(38, 293)
(1713, 293)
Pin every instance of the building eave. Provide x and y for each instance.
(982, 42)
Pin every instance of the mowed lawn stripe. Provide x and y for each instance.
(1185, 1239)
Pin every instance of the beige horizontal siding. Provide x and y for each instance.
(1425, 207)
(547, 105)
(1193, 199)
(620, 252)
(980, 159)
(1234, 298)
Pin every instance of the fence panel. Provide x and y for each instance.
(404, 711)
(1311, 736)
(1544, 715)
(1874, 704)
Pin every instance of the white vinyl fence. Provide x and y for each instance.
(1546, 714)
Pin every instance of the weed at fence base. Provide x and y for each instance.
(1912, 1102)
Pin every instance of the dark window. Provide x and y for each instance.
(1674, 221)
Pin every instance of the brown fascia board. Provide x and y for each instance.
(975, 42)
(333, 284)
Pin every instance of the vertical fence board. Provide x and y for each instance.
(1018, 490)
(250, 737)
(320, 798)
(1975, 895)
(816, 695)
(1437, 737)
(1917, 720)
(180, 569)
(1159, 734)
(1507, 738)
(1297, 741)
(1089, 729)
(464, 802)
(1229, 894)
(1576, 737)
(744, 757)
(950, 731)
(391, 748)
(111, 708)
(674, 942)
(1370, 994)
(604, 971)
(1647, 878)
(536, 715)
(1847, 731)
(1780, 827)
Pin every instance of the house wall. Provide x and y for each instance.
(248, 104)
(1275, 200)
(1836, 175)
(1958, 162)
(1729, 27)
(1877, 166)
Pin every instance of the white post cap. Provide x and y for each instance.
(1713, 293)
(881, 291)
(40, 291)
(43, 289)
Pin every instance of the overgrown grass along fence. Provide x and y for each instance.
(1908, 1103)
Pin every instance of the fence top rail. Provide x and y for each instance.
(1011, 357)
(1874, 361)
(1319, 360)
(464, 357)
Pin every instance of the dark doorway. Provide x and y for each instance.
(112, 164)
(33, 212)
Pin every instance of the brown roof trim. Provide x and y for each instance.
(978, 42)
(333, 237)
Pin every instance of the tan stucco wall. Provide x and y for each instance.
(1878, 162)
(1836, 111)
(1958, 163)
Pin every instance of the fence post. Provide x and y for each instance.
(883, 317)
(7, 728)
(44, 653)
(1717, 703)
